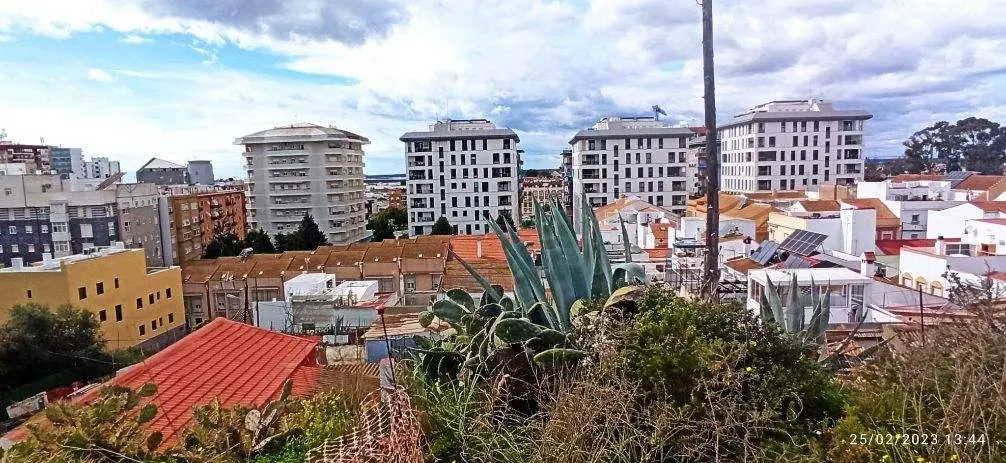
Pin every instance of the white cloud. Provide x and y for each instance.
(545, 67)
(136, 39)
(98, 75)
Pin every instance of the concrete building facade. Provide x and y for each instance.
(631, 155)
(792, 145)
(161, 172)
(139, 218)
(186, 228)
(134, 305)
(67, 162)
(200, 172)
(305, 169)
(462, 170)
(542, 189)
(222, 212)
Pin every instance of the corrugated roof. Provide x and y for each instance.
(157, 163)
(231, 361)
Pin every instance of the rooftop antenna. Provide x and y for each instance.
(657, 112)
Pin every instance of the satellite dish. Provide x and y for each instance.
(246, 253)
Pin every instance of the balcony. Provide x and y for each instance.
(591, 174)
(418, 175)
(425, 217)
(591, 160)
(591, 188)
(289, 191)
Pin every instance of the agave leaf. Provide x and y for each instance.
(796, 312)
(462, 298)
(629, 274)
(559, 356)
(527, 283)
(488, 298)
(516, 330)
(825, 319)
(625, 239)
(587, 252)
(554, 262)
(570, 250)
(766, 310)
(602, 275)
(486, 286)
(776, 304)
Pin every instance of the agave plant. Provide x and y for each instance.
(492, 336)
(791, 317)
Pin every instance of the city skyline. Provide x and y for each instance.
(179, 81)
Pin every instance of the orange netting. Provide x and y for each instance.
(388, 432)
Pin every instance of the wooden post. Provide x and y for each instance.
(712, 271)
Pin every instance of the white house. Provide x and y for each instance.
(949, 222)
(847, 290)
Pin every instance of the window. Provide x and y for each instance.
(167, 293)
(99, 288)
(116, 282)
(15, 248)
(139, 303)
(153, 325)
(12, 230)
(118, 313)
(660, 144)
(143, 330)
(915, 218)
(31, 248)
(111, 228)
(506, 143)
(59, 227)
(45, 229)
(158, 295)
(82, 293)
(171, 317)
(649, 157)
(28, 229)
(102, 315)
(29, 294)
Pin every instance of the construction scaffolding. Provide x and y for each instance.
(686, 273)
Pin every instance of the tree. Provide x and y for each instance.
(223, 245)
(385, 222)
(975, 144)
(928, 147)
(307, 237)
(259, 241)
(36, 342)
(442, 227)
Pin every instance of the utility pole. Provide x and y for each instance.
(712, 271)
(922, 315)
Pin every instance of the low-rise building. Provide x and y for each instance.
(133, 304)
(541, 189)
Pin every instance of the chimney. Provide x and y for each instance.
(940, 247)
(17, 263)
(747, 245)
(478, 248)
(868, 264)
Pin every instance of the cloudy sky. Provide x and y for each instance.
(180, 79)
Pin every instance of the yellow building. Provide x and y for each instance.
(134, 306)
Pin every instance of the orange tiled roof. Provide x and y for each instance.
(979, 182)
(660, 230)
(237, 363)
(270, 269)
(428, 250)
(773, 195)
(915, 177)
(658, 253)
(344, 258)
(820, 205)
(885, 218)
(495, 271)
(991, 206)
(382, 254)
(199, 271)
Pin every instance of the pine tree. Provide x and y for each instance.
(259, 241)
(308, 236)
(442, 227)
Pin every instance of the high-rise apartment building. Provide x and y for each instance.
(305, 169)
(67, 162)
(792, 145)
(142, 218)
(101, 167)
(462, 170)
(631, 155)
(36, 157)
(161, 172)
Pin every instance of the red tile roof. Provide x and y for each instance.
(979, 182)
(915, 177)
(660, 231)
(237, 363)
(994, 221)
(885, 218)
(820, 205)
(658, 253)
(991, 206)
(893, 247)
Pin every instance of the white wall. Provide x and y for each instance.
(859, 231)
(871, 190)
(949, 222)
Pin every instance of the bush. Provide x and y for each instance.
(950, 386)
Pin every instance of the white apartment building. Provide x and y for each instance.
(100, 167)
(461, 170)
(303, 169)
(792, 145)
(631, 156)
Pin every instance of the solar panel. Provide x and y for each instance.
(803, 242)
(765, 252)
(957, 177)
(796, 262)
